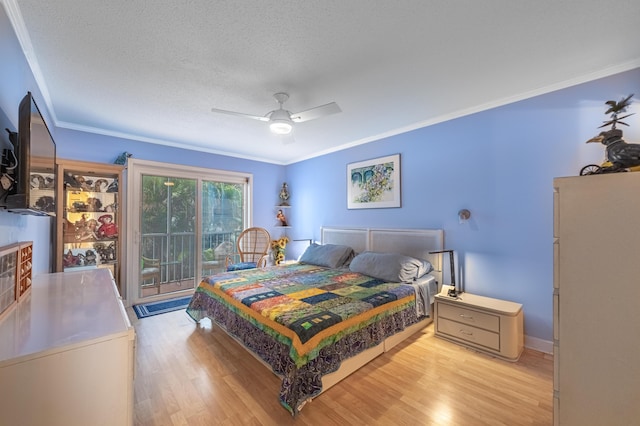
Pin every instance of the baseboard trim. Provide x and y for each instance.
(545, 346)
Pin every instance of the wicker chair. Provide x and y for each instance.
(151, 271)
(215, 259)
(253, 247)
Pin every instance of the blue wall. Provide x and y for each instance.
(499, 164)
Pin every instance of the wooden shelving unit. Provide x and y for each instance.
(16, 262)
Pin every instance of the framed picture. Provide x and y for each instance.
(373, 184)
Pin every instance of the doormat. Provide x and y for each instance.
(144, 310)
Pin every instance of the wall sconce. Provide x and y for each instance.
(453, 292)
(464, 215)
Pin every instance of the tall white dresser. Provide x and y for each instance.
(596, 300)
(67, 354)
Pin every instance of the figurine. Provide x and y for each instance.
(85, 229)
(107, 229)
(284, 195)
(70, 260)
(46, 203)
(113, 186)
(111, 252)
(122, 158)
(84, 183)
(37, 181)
(620, 156)
(106, 252)
(73, 181)
(101, 185)
(282, 218)
(94, 204)
(90, 257)
(101, 248)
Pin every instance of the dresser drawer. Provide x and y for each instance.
(467, 316)
(469, 333)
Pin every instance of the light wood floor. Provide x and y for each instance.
(190, 375)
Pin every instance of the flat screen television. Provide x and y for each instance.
(34, 186)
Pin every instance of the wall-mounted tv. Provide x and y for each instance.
(34, 187)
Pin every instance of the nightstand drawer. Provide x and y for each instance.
(468, 333)
(467, 316)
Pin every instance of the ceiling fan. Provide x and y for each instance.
(280, 120)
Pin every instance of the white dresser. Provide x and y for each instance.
(596, 321)
(489, 325)
(67, 354)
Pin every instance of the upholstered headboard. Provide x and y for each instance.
(410, 242)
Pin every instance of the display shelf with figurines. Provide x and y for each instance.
(89, 217)
(282, 209)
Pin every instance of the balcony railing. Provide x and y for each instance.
(177, 252)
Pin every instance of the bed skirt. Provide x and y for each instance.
(299, 383)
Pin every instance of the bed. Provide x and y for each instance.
(351, 298)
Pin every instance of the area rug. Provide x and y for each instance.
(144, 310)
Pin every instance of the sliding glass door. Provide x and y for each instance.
(222, 221)
(168, 227)
(185, 225)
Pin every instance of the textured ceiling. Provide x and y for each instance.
(151, 70)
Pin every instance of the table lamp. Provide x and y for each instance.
(453, 292)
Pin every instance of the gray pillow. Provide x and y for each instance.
(390, 267)
(329, 255)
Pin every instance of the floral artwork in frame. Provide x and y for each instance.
(375, 183)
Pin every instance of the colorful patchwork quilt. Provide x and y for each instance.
(302, 319)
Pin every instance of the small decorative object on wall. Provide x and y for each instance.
(282, 219)
(284, 195)
(374, 183)
(278, 248)
(620, 156)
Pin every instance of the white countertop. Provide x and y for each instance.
(63, 309)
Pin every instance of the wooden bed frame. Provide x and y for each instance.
(410, 242)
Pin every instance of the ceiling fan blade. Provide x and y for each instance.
(317, 112)
(240, 114)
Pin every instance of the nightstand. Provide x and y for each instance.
(485, 324)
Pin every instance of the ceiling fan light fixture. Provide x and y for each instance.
(280, 127)
(280, 122)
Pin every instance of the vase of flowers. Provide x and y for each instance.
(278, 248)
